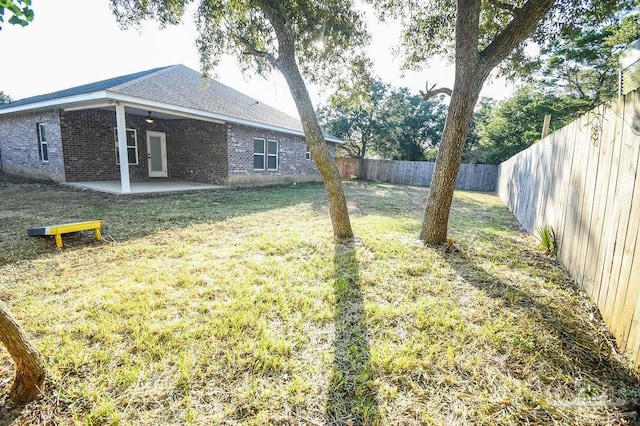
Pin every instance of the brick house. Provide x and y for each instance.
(167, 121)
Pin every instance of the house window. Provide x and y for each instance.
(307, 154)
(132, 146)
(258, 154)
(43, 145)
(272, 155)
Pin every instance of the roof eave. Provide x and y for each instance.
(59, 103)
(133, 100)
(89, 100)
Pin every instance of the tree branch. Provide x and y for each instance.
(252, 50)
(524, 22)
(505, 6)
(431, 92)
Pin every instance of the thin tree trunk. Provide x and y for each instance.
(319, 150)
(30, 369)
(286, 63)
(361, 171)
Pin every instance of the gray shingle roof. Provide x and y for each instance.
(181, 86)
(81, 90)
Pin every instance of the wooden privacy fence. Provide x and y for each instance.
(583, 181)
(473, 177)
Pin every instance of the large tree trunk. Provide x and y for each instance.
(472, 69)
(466, 89)
(30, 369)
(324, 160)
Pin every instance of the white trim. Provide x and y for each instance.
(121, 125)
(264, 153)
(42, 142)
(277, 154)
(114, 97)
(163, 154)
(56, 103)
(89, 106)
(135, 138)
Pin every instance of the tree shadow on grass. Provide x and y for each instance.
(351, 396)
(25, 204)
(583, 350)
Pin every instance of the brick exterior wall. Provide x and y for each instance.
(292, 164)
(20, 150)
(196, 150)
(200, 154)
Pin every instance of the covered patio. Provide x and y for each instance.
(144, 187)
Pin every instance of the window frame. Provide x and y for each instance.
(276, 155)
(307, 154)
(262, 154)
(134, 147)
(43, 144)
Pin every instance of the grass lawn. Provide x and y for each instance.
(236, 307)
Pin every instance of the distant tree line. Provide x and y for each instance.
(569, 77)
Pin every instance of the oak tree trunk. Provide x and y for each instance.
(472, 67)
(466, 89)
(324, 160)
(30, 369)
(319, 150)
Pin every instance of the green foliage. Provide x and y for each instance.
(321, 33)
(585, 66)
(409, 126)
(548, 239)
(429, 27)
(575, 74)
(515, 124)
(4, 98)
(386, 122)
(20, 10)
(352, 110)
(473, 152)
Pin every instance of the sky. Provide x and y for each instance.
(74, 42)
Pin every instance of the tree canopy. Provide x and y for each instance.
(585, 66)
(376, 119)
(4, 98)
(569, 77)
(323, 34)
(20, 11)
(513, 125)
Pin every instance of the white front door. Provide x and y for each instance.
(157, 154)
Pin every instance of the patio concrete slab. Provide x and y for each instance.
(144, 187)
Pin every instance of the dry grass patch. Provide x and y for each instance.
(235, 307)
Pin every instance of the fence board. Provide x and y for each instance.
(588, 190)
(612, 213)
(588, 201)
(473, 177)
(576, 195)
(627, 169)
(628, 286)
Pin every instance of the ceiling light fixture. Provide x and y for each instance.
(149, 119)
